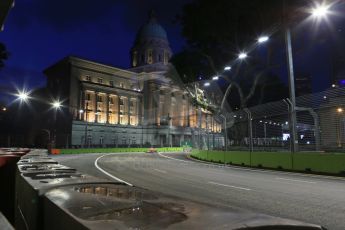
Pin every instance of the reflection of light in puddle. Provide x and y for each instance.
(122, 192)
(136, 208)
(61, 196)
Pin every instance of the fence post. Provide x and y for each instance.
(292, 130)
(250, 131)
(225, 132)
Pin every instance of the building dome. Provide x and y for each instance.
(151, 30)
(151, 45)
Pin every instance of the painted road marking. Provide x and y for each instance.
(173, 158)
(303, 181)
(229, 186)
(161, 171)
(108, 174)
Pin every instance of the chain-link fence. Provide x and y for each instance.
(320, 124)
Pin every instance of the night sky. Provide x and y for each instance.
(38, 33)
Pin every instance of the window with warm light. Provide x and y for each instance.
(88, 97)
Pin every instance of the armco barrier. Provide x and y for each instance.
(330, 163)
(237, 158)
(281, 160)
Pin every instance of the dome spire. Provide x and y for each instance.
(152, 16)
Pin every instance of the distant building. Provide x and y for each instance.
(338, 69)
(338, 57)
(141, 106)
(303, 85)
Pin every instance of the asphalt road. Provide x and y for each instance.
(309, 198)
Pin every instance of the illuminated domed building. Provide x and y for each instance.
(141, 106)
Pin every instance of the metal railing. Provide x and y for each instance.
(267, 127)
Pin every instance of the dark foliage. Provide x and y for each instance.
(216, 31)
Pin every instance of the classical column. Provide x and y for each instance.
(138, 111)
(118, 108)
(188, 112)
(158, 105)
(129, 110)
(96, 106)
(107, 108)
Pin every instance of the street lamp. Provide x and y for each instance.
(263, 39)
(227, 68)
(338, 126)
(320, 11)
(242, 55)
(215, 78)
(23, 96)
(207, 84)
(56, 105)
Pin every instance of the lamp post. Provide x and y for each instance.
(338, 126)
(56, 106)
(293, 120)
(318, 12)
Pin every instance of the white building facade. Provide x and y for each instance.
(142, 106)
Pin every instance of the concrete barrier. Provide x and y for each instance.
(4, 224)
(7, 177)
(36, 176)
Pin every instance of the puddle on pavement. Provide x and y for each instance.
(134, 207)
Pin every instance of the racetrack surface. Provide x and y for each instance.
(309, 198)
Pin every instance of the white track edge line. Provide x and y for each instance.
(173, 158)
(295, 180)
(108, 174)
(229, 186)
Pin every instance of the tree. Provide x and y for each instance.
(3, 54)
(217, 30)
